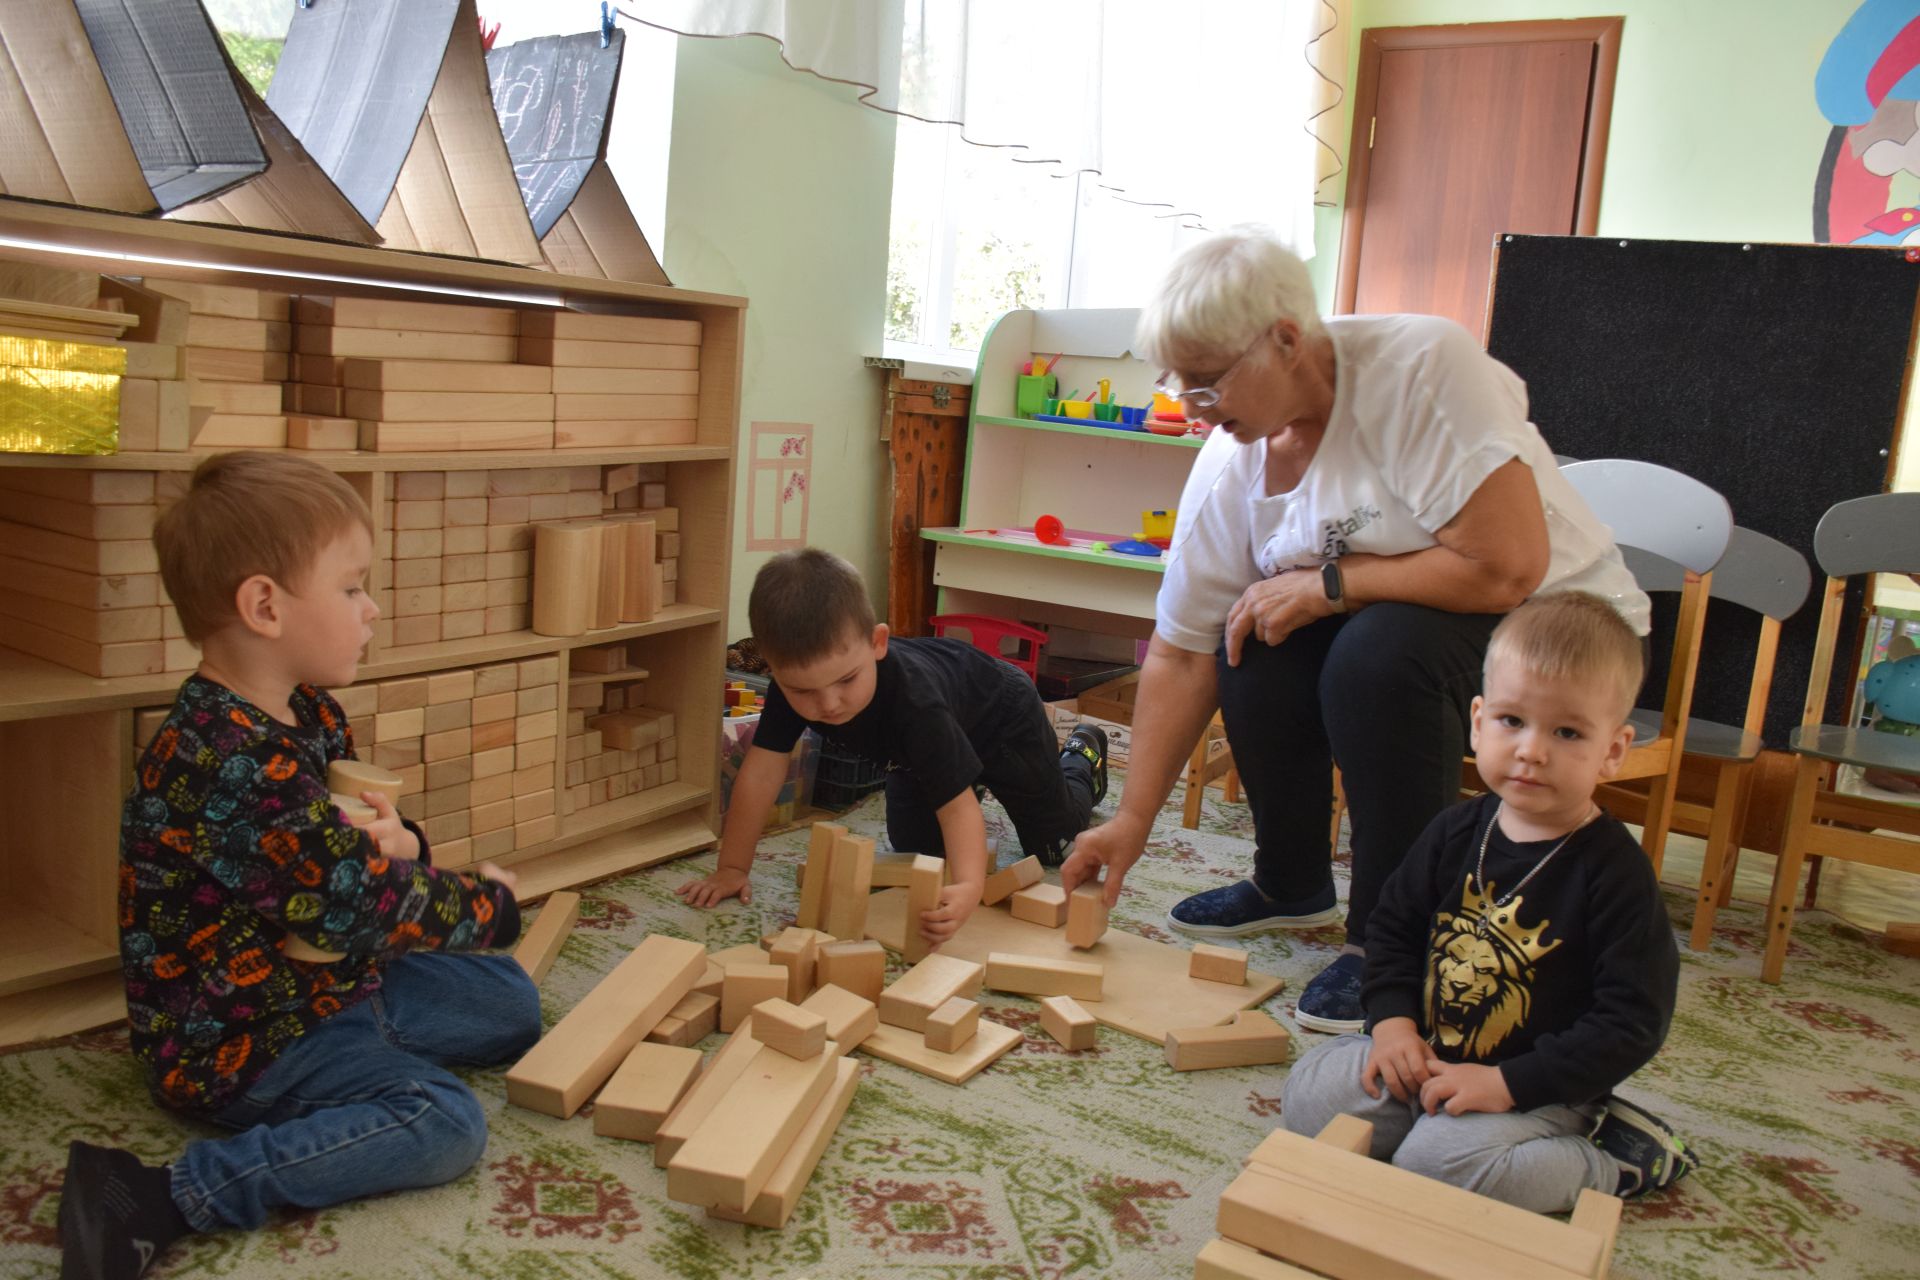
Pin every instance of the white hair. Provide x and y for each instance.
(1219, 295)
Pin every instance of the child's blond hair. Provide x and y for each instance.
(248, 513)
(1572, 635)
(805, 604)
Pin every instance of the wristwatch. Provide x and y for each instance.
(1335, 588)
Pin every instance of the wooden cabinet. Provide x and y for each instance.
(68, 740)
(1094, 479)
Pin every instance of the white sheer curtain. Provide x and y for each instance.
(1202, 111)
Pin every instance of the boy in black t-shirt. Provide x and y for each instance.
(1520, 964)
(942, 716)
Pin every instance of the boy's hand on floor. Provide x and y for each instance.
(389, 834)
(1399, 1057)
(715, 889)
(1461, 1087)
(957, 903)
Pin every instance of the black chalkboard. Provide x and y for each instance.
(1772, 372)
(554, 96)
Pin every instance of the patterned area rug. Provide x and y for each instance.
(1803, 1101)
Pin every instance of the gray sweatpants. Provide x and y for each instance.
(1539, 1160)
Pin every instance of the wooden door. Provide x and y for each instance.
(927, 439)
(1461, 133)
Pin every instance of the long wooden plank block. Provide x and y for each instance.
(1225, 1260)
(581, 1051)
(642, 1092)
(1043, 976)
(445, 375)
(228, 364)
(403, 344)
(697, 1103)
(1007, 881)
(909, 1049)
(449, 437)
(106, 661)
(1331, 1169)
(95, 626)
(600, 328)
(736, 1149)
(924, 881)
(576, 407)
(1330, 1233)
(1252, 1039)
(573, 353)
(540, 946)
(398, 313)
(852, 880)
(82, 555)
(817, 874)
(623, 434)
(78, 587)
(1148, 990)
(778, 1199)
(448, 406)
(99, 488)
(574, 380)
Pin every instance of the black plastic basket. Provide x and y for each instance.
(844, 779)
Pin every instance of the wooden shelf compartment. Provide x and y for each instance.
(1096, 432)
(355, 460)
(613, 853)
(1035, 581)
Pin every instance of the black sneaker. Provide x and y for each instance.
(1651, 1156)
(116, 1215)
(1090, 740)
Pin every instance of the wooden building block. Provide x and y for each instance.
(852, 881)
(1087, 915)
(859, 967)
(729, 1157)
(783, 1025)
(351, 777)
(747, 985)
(781, 1194)
(403, 344)
(1062, 1018)
(1042, 976)
(391, 726)
(724, 1068)
(923, 895)
(696, 1017)
(642, 1092)
(1251, 1039)
(850, 1018)
(401, 313)
(797, 950)
(1008, 881)
(1043, 904)
(1224, 1260)
(577, 353)
(540, 946)
(925, 987)
(953, 1024)
(380, 436)
(315, 431)
(816, 876)
(1218, 964)
(908, 1049)
(581, 1051)
(895, 870)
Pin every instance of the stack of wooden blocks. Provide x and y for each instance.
(236, 357)
(1322, 1207)
(741, 1137)
(421, 376)
(475, 750)
(616, 744)
(154, 410)
(618, 381)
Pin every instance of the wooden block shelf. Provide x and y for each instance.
(232, 342)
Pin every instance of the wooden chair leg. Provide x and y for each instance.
(1233, 785)
(1659, 819)
(1196, 784)
(1786, 875)
(1723, 846)
(1814, 863)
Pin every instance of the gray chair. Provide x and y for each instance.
(1656, 509)
(1771, 579)
(1878, 534)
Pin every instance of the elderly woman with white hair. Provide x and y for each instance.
(1372, 499)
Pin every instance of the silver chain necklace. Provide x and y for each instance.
(1480, 867)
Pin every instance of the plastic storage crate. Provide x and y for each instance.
(844, 779)
(796, 793)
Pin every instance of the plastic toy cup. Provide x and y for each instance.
(1077, 408)
(1030, 392)
(1105, 412)
(1050, 406)
(1163, 403)
(1049, 530)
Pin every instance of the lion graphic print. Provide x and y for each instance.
(1480, 973)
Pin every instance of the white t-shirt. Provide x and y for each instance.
(1421, 417)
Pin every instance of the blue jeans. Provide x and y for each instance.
(363, 1104)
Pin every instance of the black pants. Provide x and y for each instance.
(1047, 794)
(1387, 693)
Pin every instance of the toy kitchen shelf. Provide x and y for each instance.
(1091, 477)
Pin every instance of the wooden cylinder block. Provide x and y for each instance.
(566, 577)
(351, 777)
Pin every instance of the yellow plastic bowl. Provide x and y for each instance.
(1077, 408)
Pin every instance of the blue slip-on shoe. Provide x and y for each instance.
(1242, 907)
(1650, 1154)
(1331, 1002)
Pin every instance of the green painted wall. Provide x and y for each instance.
(778, 189)
(1715, 135)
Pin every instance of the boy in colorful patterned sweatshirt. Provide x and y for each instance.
(333, 1075)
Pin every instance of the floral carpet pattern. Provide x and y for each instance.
(1802, 1101)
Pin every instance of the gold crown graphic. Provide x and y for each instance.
(1503, 923)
